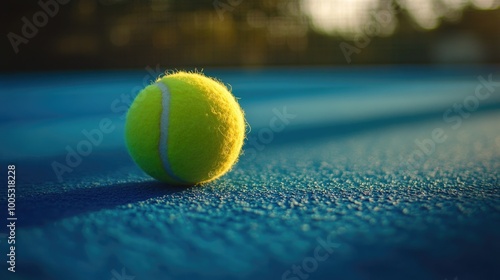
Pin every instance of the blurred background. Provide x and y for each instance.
(359, 89)
(121, 34)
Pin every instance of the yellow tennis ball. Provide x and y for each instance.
(185, 129)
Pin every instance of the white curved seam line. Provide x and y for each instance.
(164, 124)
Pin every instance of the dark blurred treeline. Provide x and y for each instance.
(111, 34)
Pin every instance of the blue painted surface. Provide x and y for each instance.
(337, 173)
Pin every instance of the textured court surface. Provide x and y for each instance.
(337, 173)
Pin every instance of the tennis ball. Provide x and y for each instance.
(185, 129)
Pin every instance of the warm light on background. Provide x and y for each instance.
(102, 34)
(348, 17)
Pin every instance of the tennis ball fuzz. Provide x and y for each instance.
(185, 129)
